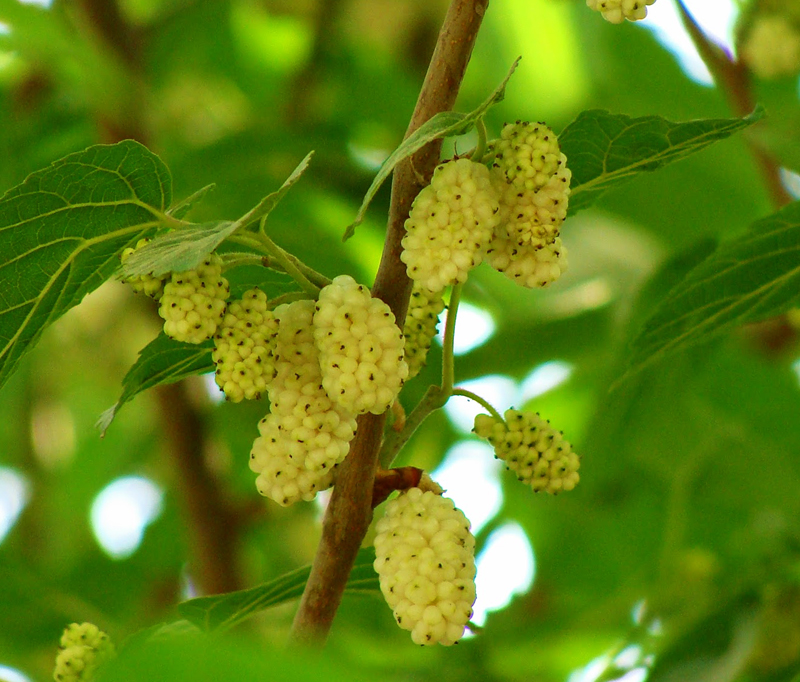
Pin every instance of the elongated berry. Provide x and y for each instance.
(425, 559)
(244, 347)
(532, 449)
(616, 11)
(360, 347)
(306, 434)
(420, 327)
(450, 223)
(193, 302)
(142, 284)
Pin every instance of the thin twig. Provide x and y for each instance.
(349, 511)
(733, 78)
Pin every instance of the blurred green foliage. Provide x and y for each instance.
(682, 538)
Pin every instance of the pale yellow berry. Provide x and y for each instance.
(425, 559)
(360, 347)
(450, 223)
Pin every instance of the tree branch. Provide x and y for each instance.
(349, 512)
(733, 79)
(213, 526)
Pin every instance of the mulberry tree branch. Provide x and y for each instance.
(733, 78)
(350, 509)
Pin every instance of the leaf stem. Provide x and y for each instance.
(289, 265)
(349, 512)
(482, 402)
(480, 148)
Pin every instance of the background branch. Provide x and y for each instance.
(350, 509)
(733, 78)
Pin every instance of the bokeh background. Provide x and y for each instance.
(676, 558)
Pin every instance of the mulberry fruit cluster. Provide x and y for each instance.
(771, 48)
(616, 11)
(422, 317)
(360, 347)
(244, 347)
(532, 180)
(84, 648)
(306, 434)
(142, 284)
(450, 224)
(532, 449)
(193, 302)
(425, 560)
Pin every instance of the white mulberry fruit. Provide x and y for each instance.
(422, 317)
(771, 47)
(616, 11)
(527, 153)
(193, 302)
(305, 435)
(84, 648)
(533, 217)
(532, 449)
(244, 347)
(360, 347)
(425, 560)
(142, 284)
(528, 265)
(450, 224)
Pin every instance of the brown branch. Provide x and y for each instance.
(349, 511)
(733, 78)
(212, 523)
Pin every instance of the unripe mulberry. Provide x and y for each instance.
(425, 559)
(771, 47)
(532, 449)
(616, 11)
(450, 224)
(533, 217)
(193, 302)
(360, 347)
(243, 347)
(84, 648)
(528, 265)
(527, 153)
(142, 284)
(305, 435)
(420, 327)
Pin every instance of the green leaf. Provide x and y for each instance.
(605, 150)
(224, 611)
(162, 361)
(748, 279)
(180, 209)
(185, 248)
(61, 232)
(444, 124)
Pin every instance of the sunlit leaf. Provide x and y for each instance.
(444, 124)
(61, 232)
(185, 248)
(162, 361)
(747, 279)
(605, 150)
(224, 611)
